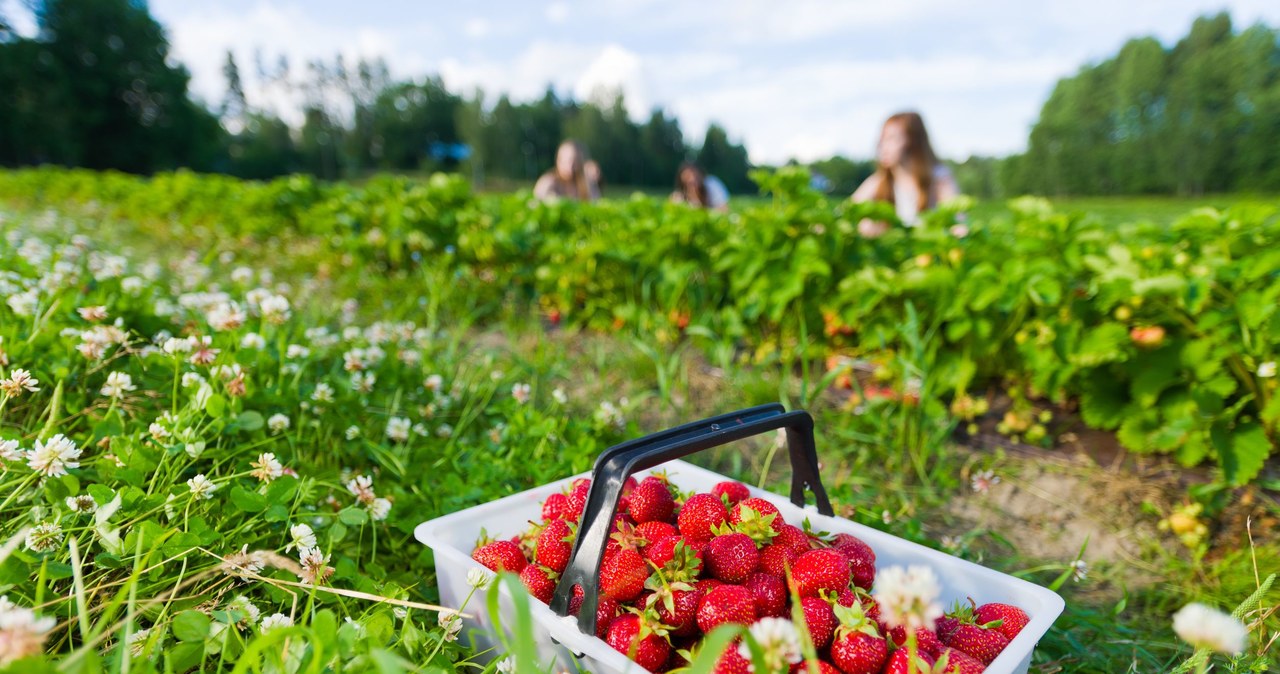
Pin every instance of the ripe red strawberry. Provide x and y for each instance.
(706, 585)
(862, 559)
(652, 531)
(857, 647)
(926, 640)
(676, 607)
(792, 536)
(770, 593)
(897, 663)
(820, 619)
(629, 485)
(732, 662)
(756, 518)
(632, 636)
(651, 502)
(676, 561)
(1012, 618)
(956, 662)
(821, 569)
(824, 667)
(577, 498)
(859, 653)
(700, 515)
(501, 556)
(776, 559)
(557, 507)
(731, 492)
(945, 627)
(726, 604)
(622, 576)
(980, 643)
(732, 557)
(540, 581)
(606, 611)
(555, 545)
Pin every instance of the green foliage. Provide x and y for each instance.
(1194, 118)
(1159, 333)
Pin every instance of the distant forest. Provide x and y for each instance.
(96, 87)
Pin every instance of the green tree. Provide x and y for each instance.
(724, 159)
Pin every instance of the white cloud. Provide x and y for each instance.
(478, 28)
(558, 12)
(616, 70)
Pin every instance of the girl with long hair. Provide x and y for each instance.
(569, 179)
(908, 174)
(695, 188)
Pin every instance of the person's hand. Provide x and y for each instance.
(872, 229)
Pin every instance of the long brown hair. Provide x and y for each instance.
(919, 159)
(579, 179)
(699, 196)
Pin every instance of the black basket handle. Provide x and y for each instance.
(619, 462)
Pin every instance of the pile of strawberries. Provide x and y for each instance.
(679, 565)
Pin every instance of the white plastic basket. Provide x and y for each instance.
(452, 538)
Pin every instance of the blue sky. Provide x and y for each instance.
(798, 78)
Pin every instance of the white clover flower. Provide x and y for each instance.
(44, 537)
(225, 316)
(323, 393)
(559, 396)
(778, 639)
(190, 379)
(451, 623)
(609, 413)
(507, 665)
(1267, 370)
(520, 392)
(132, 285)
(118, 384)
(253, 340)
(53, 457)
(444, 431)
(18, 382)
(252, 613)
(315, 565)
(398, 429)
(157, 431)
(1206, 627)
(363, 381)
(22, 632)
(303, 537)
(138, 642)
(10, 451)
(1079, 570)
(274, 309)
(478, 578)
(421, 429)
(242, 275)
(352, 432)
(93, 314)
(175, 346)
(379, 509)
(201, 487)
(908, 597)
(278, 423)
(361, 486)
(82, 504)
(433, 383)
(497, 375)
(273, 621)
(983, 481)
(24, 303)
(267, 467)
(296, 351)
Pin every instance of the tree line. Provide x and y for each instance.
(97, 87)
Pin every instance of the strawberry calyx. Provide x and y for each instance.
(854, 619)
(684, 567)
(627, 536)
(754, 524)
